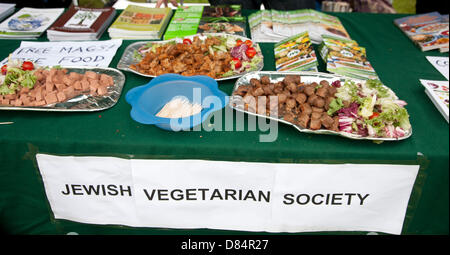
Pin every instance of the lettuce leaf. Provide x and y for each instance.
(335, 106)
(378, 86)
(366, 108)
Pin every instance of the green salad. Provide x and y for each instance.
(15, 76)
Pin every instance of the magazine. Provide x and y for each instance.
(223, 19)
(136, 22)
(437, 91)
(29, 23)
(295, 54)
(79, 24)
(222, 13)
(428, 31)
(184, 22)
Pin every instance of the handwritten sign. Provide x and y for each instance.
(87, 53)
(228, 195)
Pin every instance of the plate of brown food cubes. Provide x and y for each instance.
(25, 86)
(312, 103)
(217, 55)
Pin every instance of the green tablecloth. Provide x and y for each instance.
(399, 63)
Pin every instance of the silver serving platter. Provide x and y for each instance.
(306, 77)
(128, 59)
(84, 102)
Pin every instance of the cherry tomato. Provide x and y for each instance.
(187, 41)
(250, 52)
(374, 115)
(239, 42)
(27, 66)
(249, 43)
(4, 69)
(237, 63)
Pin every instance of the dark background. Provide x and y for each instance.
(422, 6)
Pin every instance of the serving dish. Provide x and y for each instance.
(237, 102)
(85, 102)
(147, 100)
(131, 54)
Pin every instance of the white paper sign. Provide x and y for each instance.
(66, 53)
(228, 195)
(441, 64)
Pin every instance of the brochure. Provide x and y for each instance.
(437, 91)
(441, 64)
(261, 27)
(295, 54)
(346, 57)
(270, 26)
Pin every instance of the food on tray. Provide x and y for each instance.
(23, 84)
(214, 56)
(367, 109)
(179, 107)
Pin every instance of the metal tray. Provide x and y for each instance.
(306, 77)
(128, 59)
(84, 102)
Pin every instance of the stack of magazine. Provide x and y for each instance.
(295, 54)
(346, 57)
(274, 26)
(80, 24)
(136, 22)
(222, 19)
(428, 31)
(6, 10)
(184, 22)
(29, 23)
(190, 20)
(437, 91)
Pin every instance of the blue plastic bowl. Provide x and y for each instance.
(147, 100)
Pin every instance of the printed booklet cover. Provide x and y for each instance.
(437, 91)
(428, 31)
(79, 23)
(295, 54)
(223, 19)
(137, 22)
(346, 57)
(185, 22)
(29, 23)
